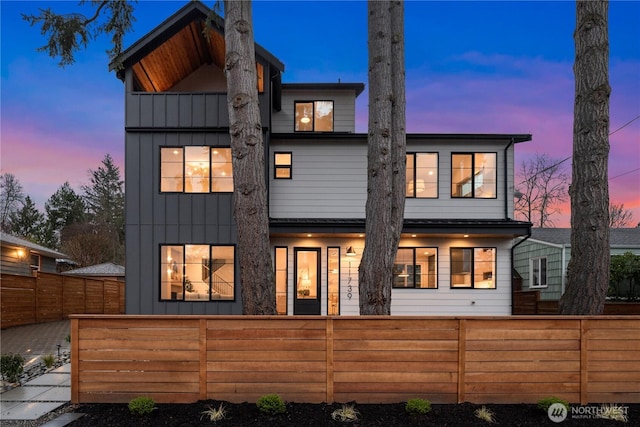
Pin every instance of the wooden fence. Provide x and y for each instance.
(183, 359)
(529, 302)
(50, 297)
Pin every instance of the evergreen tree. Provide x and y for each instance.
(64, 207)
(28, 222)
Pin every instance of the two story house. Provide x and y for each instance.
(455, 255)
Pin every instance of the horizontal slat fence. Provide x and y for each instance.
(520, 359)
(529, 302)
(51, 297)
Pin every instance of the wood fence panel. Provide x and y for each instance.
(94, 296)
(111, 297)
(129, 358)
(248, 358)
(49, 297)
(392, 360)
(17, 300)
(518, 361)
(613, 368)
(74, 296)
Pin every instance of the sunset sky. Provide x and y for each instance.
(471, 67)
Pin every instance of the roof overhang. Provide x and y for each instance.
(356, 87)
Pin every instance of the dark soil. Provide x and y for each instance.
(312, 415)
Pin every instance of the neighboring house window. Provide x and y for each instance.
(34, 262)
(196, 169)
(473, 268)
(416, 268)
(282, 165)
(474, 175)
(314, 116)
(422, 175)
(197, 273)
(538, 272)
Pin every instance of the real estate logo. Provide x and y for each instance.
(557, 412)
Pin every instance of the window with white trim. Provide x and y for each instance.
(538, 273)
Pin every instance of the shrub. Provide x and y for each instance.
(613, 412)
(418, 406)
(214, 414)
(271, 404)
(48, 360)
(11, 366)
(545, 402)
(346, 414)
(142, 405)
(485, 414)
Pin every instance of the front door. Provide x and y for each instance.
(307, 281)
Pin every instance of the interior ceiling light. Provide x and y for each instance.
(305, 120)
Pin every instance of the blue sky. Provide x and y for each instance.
(478, 66)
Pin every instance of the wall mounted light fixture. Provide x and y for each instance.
(350, 251)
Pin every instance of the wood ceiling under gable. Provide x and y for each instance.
(179, 56)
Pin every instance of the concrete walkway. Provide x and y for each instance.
(44, 393)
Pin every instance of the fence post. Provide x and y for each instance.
(75, 360)
(584, 361)
(329, 365)
(203, 358)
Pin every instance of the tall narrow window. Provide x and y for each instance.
(422, 175)
(282, 165)
(196, 169)
(314, 116)
(416, 268)
(280, 260)
(171, 169)
(538, 272)
(221, 170)
(333, 281)
(474, 175)
(473, 268)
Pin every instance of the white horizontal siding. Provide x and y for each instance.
(441, 301)
(344, 109)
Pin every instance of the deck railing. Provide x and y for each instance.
(184, 359)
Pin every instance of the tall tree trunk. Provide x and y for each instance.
(247, 148)
(386, 155)
(588, 270)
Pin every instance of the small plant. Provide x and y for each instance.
(613, 412)
(271, 404)
(11, 366)
(545, 402)
(214, 414)
(418, 406)
(346, 414)
(142, 405)
(48, 360)
(485, 414)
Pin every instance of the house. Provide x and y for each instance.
(542, 259)
(455, 255)
(25, 258)
(107, 270)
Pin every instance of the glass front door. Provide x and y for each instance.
(307, 281)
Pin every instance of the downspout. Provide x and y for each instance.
(506, 183)
(513, 264)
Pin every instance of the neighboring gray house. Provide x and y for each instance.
(107, 270)
(24, 258)
(542, 259)
(455, 250)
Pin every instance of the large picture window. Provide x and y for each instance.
(314, 116)
(473, 175)
(538, 272)
(473, 268)
(195, 169)
(197, 273)
(422, 175)
(416, 268)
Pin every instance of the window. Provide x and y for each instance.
(314, 116)
(473, 175)
(280, 261)
(416, 268)
(197, 273)
(34, 262)
(282, 165)
(473, 268)
(422, 175)
(196, 169)
(333, 281)
(538, 271)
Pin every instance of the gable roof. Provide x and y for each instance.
(105, 269)
(562, 236)
(177, 47)
(13, 241)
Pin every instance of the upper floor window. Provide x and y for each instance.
(473, 268)
(314, 116)
(197, 169)
(282, 165)
(422, 175)
(416, 268)
(538, 270)
(473, 175)
(197, 272)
